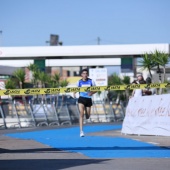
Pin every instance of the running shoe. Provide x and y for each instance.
(81, 134)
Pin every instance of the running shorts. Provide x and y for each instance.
(87, 102)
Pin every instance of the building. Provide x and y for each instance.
(69, 60)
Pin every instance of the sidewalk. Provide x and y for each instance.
(28, 154)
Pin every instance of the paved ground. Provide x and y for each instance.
(18, 154)
(156, 140)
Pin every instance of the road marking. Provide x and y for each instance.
(153, 143)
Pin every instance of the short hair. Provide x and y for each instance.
(142, 82)
(148, 80)
(134, 82)
(84, 70)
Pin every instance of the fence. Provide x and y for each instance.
(54, 111)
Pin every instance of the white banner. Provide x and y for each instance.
(99, 75)
(148, 115)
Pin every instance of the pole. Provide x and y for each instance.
(0, 37)
(98, 40)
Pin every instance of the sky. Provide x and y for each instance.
(80, 22)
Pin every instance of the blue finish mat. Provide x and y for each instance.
(95, 146)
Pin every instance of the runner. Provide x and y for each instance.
(85, 98)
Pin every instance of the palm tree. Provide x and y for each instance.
(126, 80)
(114, 80)
(32, 67)
(43, 78)
(54, 82)
(20, 75)
(147, 62)
(10, 84)
(64, 83)
(56, 77)
(161, 59)
(35, 73)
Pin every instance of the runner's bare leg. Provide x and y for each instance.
(88, 110)
(81, 109)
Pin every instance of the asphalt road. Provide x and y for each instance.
(16, 154)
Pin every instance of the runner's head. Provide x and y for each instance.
(84, 74)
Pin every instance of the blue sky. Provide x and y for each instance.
(80, 22)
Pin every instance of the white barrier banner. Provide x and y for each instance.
(148, 115)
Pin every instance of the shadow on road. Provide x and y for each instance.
(60, 150)
(45, 164)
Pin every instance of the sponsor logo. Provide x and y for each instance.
(127, 87)
(55, 90)
(69, 90)
(52, 91)
(48, 91)
(95, 88)
(132, 86)
(153, 86)
(12, 92)
(135, 86)
(32, 91)
(107, 88)
(35, 91)
(115, 87)
(87, 89)
(27, 91)
(167, 85)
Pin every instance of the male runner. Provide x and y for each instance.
(84, 101)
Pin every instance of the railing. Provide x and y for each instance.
(54, 111)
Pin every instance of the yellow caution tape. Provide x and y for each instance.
(38, 91)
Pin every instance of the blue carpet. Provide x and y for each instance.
(95, 146)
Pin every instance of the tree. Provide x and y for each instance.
(161, 59)
(10, 84)
(54, 81)
(35, 74)
(43, 78)
(20, 75)
(32, 67)
(126, 80)
(64, 83)
(115, 80)
(147, 62)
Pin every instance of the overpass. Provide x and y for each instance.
(76, 55)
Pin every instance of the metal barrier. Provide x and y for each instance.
(54, 111)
